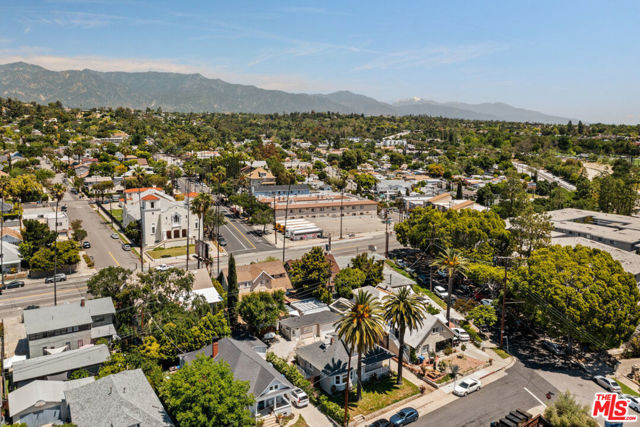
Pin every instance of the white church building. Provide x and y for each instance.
(163, 218)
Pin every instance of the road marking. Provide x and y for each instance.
(114, 258)
(62, 291)
(242, 234)
(534, 396)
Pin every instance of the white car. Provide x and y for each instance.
(440, 291)
(467, 386)
(487, 301)
(461, 334)
(634, 401)
(607, 384)
(299, 398)
(162, 267)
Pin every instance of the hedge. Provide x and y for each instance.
(329, 408)
(475, 336)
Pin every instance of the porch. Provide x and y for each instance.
(273, 405)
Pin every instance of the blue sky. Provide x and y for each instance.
(577, 59)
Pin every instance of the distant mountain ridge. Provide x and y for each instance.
(194, 92)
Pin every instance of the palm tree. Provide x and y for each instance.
(360, 329)
(4, 191)
(57, 191)
(212, 221)
(452, 262)
(404, 310)
(201, 204)
(139, 175)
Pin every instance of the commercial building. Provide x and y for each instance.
(320, 205)
(260, 190)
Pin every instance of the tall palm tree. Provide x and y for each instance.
(201, 204)
(139, 175)
(57, 190)
(404, 310)
(360, 329)
(452, 262)
(4, 192)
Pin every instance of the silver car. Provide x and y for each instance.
(607, 383)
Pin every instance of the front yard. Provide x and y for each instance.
(377, 395)
(158, 253)
(117, 214)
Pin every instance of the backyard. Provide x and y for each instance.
(171, 252)
(376, 395)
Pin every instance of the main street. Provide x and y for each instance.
(522, 388)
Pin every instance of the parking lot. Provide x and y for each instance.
(351, 225)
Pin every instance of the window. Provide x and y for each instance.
(273, 387)
(153, 229)
(435, 330)
(176, 219)
(338, 380)
(153, 205)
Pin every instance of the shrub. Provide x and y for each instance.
(448, 351)
(464, 305)
(88, 260)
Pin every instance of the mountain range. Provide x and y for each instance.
(194, 92)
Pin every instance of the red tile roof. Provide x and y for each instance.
(141, 190)
(151, 197)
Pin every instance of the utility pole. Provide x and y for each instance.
(275, 230)
(341, 206)
(505, 261)
(188, 226)
(286, 214)
(386, 234)
(1, 246)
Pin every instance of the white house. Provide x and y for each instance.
(163, 217)
(47, 216)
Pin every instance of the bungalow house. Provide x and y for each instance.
(434, 335)
(42, 402)
(313, 325)
(11, 259)
(266, 276)
(268, 386)
(327, 364)
(260, 176)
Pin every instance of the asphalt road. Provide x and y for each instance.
(521, 388)
(240, 237)
(106, 252)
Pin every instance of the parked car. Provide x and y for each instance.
(222, 241)
(126, 247)
(634, 401)
(86, 244)
(299, 398)
(14, 284)
(60, 277)
(404, 417)
(380, 423)
(467, 386)
(63, 208)
(32, 307)
(268, 337)
(486, 301)
(552, 347)
(162, 267)
(74, 191)
(461, 334)
(439, 290)
(115, 236)
(607, 384)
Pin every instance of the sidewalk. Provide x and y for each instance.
(430, 402)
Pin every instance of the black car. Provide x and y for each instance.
(404, 417)
(14, 284)
(86, 245)
(32, 307)
(380, 423)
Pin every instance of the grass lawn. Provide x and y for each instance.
(170, 252)
(300, 422)
(398, 269)
(117, 214)
(377, 395)
(500, 352)
(627, 390)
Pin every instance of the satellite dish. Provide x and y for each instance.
(40, 403)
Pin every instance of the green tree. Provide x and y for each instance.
(365, 182)
(565, 411)
(79, 373)
(261, 310)
(43, 260)
(78, 233)
(199, 206)
(483, 315)
(451, 262)
(360, 329)
(530, 231)
(580, 293)
(232, 291)
(347, 280)
(205, 393)
(459, 195)
(262, 217)
(404, 310)
(310, 272)
(513, 196)
(371, 267)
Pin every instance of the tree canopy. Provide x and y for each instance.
(261, 310)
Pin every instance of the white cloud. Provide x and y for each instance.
(432, 56)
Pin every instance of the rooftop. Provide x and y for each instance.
(321, 317)
(65, 315)
(38, 391)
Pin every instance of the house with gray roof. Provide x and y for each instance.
(312, 325)
(59, 366)
(326, 364)
(42, 402)
(269, 388)
(434, 335)
(70, 326)
(124, 399)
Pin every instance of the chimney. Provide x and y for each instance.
(82, 302)
(214, 347)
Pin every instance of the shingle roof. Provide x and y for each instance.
(55, 363)
(100, 306)
(245, 363)
(321, 317)
(65, 315)
(45, 391)
(332, 359)
(118, 400)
